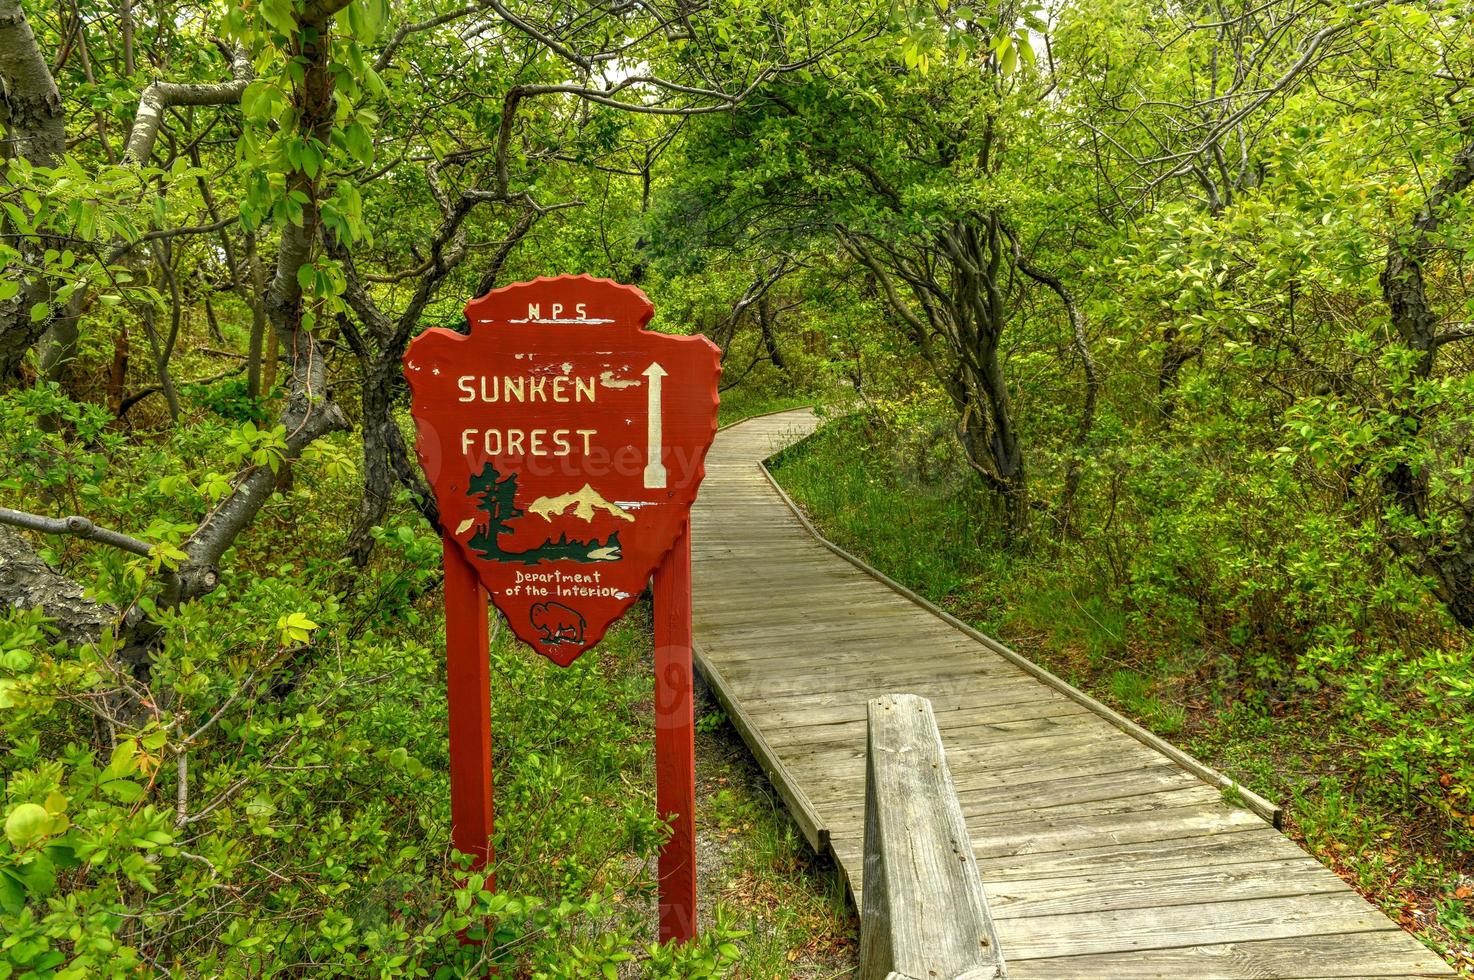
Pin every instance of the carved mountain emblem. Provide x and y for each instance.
(584, 503)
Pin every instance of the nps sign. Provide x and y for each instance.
(565, 444)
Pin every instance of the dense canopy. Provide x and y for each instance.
(1158, 314)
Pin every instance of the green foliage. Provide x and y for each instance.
(1256, 528)
(288, 781)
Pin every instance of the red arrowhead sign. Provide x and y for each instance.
(565, 444)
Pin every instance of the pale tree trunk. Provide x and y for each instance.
(35, 131)
(309, 412)
(34, 118)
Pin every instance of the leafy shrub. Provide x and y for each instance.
(279, 803)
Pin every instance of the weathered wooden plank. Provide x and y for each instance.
(1088, 756)
(1069, 833)
(1231, 846)
(1081, 739)
(1132, 889)
(999, 836)
(1344, 956)
(1065, 791)
(925, 914)
(1202, 924)
(824, 707)
(915, 677)
(870, 642)
(1005, 717)
(738, 636)
(973, 740)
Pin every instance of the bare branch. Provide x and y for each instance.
(1463, 332)
(159, 96)
(79, 527)
(160, 234)
(387, 55)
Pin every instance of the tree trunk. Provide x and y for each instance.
(957, 333)
(1080, 340)
(34, 120)
(378, 474)
(765, 320)
(1175, 355)
(990, 441)
(1448, 559)
(254, 349)
(27, 582)
(308, 413)
(117, 378)
(161, 362)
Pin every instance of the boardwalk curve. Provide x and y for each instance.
(1102, 856)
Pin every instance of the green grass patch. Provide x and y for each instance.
(743, 402)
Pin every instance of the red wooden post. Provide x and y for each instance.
(565, 444)
(675, 742)
(468, 684)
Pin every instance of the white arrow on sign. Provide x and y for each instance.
(654, 468)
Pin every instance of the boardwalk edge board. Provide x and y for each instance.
(1270, 812)
(815, 831)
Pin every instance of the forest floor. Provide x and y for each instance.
(752, 860)
(1298, 752)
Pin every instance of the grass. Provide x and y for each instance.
(930, 529)
(742, 402)
(758, 867)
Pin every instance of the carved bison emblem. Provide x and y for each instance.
(557, 623)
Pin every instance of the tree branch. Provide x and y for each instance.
(159, 96)
(387, 55)
(77, 526)
(1464, 332)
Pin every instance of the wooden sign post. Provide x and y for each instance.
(565, 444)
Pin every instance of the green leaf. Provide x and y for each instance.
(295, 628)
(63, 855)
(123, 761)
(1009, 60)
(40, 312)
(8, 289)
(280, 15)
(12, 892)
(123, 790)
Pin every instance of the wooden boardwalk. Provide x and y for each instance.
(1102, 856)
